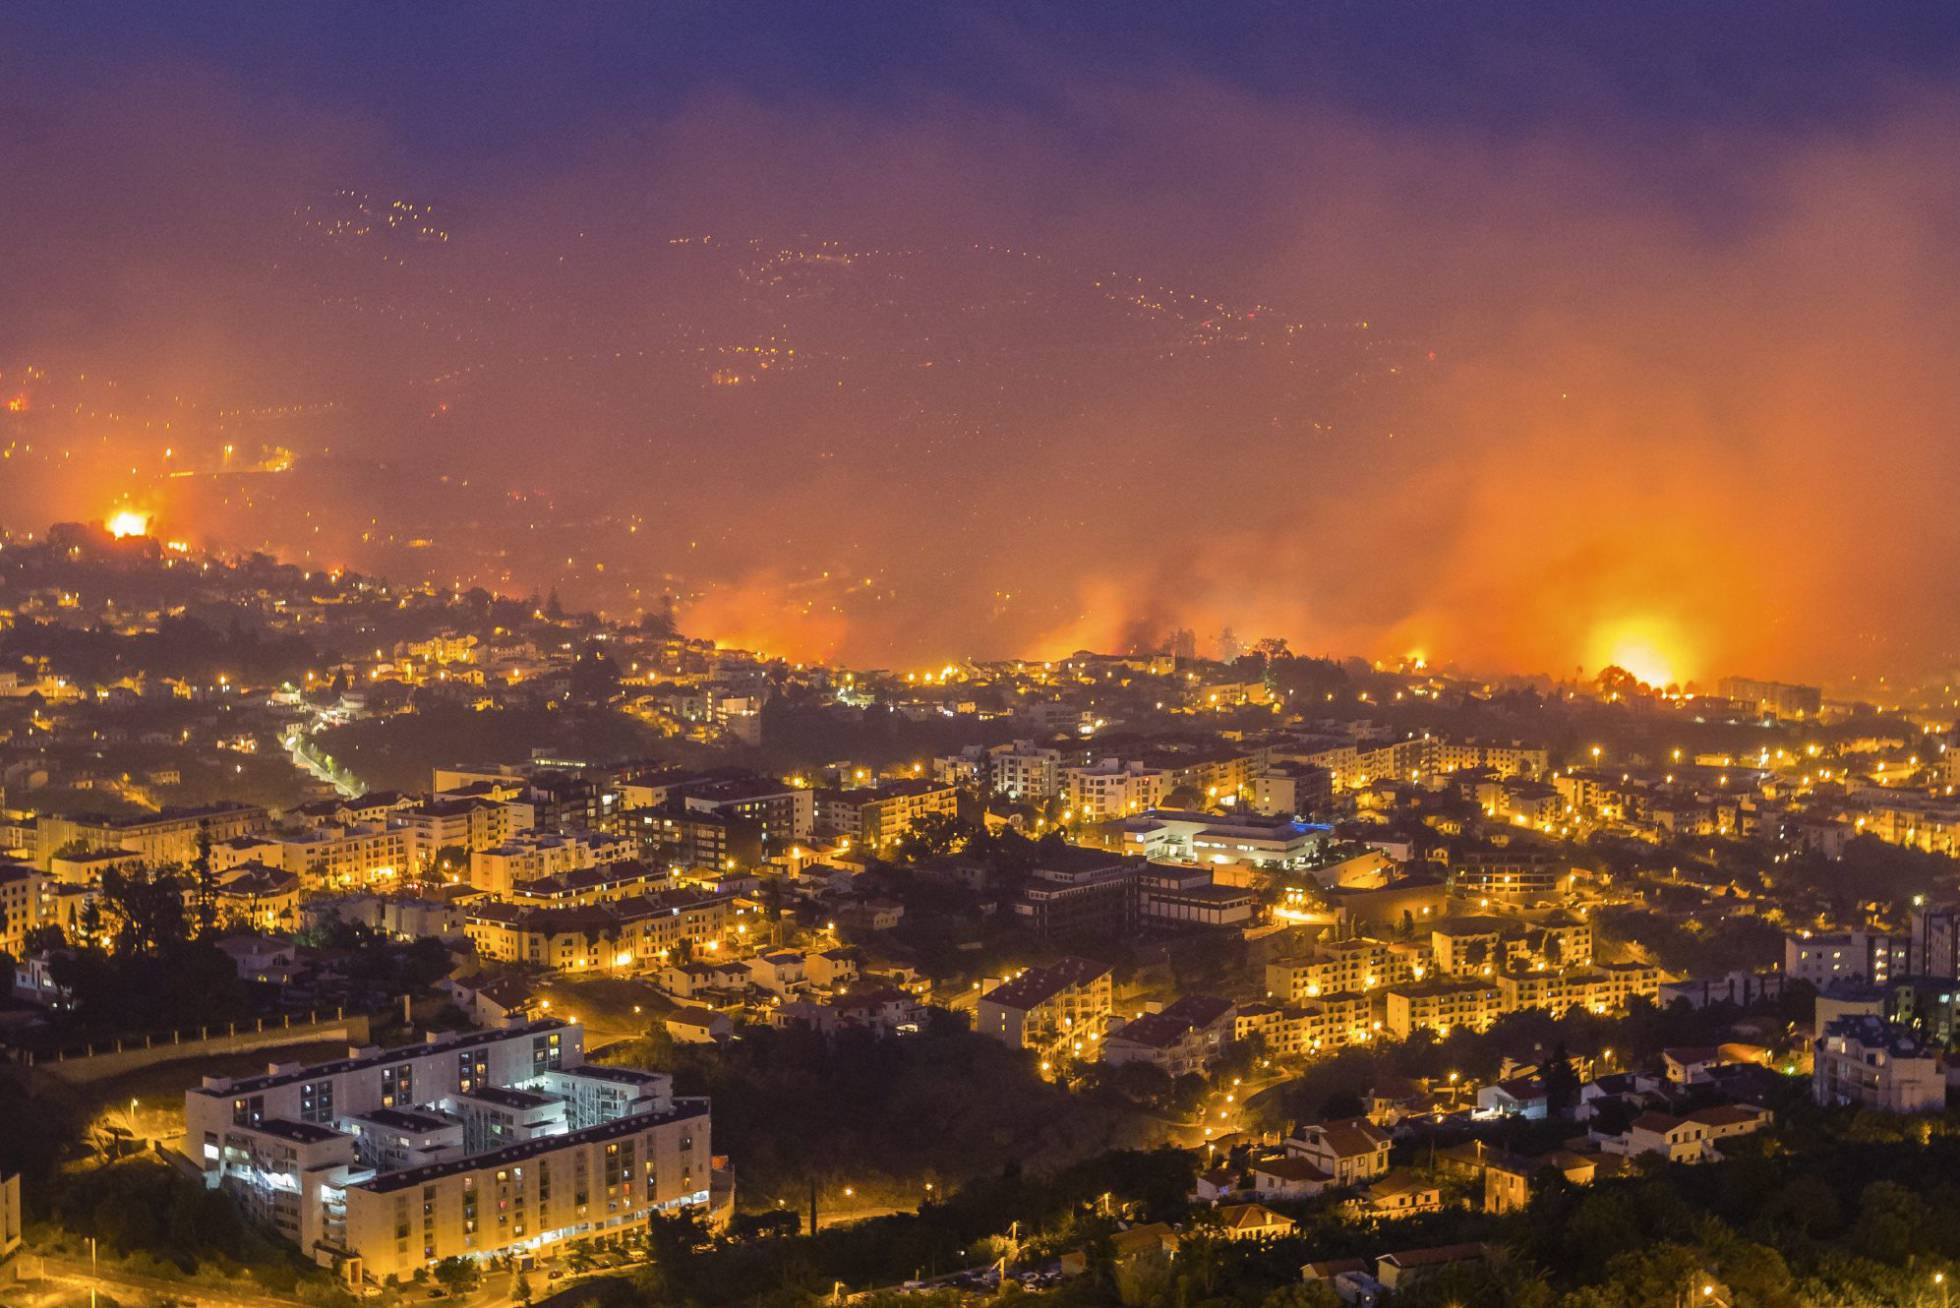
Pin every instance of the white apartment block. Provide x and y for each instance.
(1113, 789)
(475, 1146)
(1025, 771)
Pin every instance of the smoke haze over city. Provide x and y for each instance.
(973, 338)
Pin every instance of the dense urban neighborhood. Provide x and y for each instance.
(365, 938)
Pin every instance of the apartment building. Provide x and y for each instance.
(169, 837)
(1339, 966)
(20, 906)
(467, 824)
(1867, 1062)
(784, 812)
(1183, 1038)
(1024, 770)
(1848, 956)
(1606, 988)
(325, 857)
(879, 818)
(1113, 789)
(1049, 1009)
(1441, 1006)
(530, 855)
(1515, 873)
(602, 883)
(626, 935)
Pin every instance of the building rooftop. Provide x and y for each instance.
(383, 1057)
(683, 1109)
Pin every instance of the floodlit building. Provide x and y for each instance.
(471, 1146)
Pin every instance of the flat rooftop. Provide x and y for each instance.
(381, 1058)
(682, 1110)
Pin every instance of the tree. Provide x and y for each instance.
(1303, 1294)
(455, 1274)
(1561, 1083)
(522, 1290)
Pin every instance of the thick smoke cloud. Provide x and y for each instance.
(1524, 402)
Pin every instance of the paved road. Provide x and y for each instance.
(110, 1279)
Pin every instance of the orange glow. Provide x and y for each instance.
(1648, 647)
(128, 522)
(17, 404)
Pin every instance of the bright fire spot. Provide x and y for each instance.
(1649, 648)
(17, 404)
(128, 522)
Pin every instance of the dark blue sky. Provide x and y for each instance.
(458, 90)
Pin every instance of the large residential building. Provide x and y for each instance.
(1867, 1062)
(1184, 1038)
(1050, 1010)
(1113, 789)
(20, 906)
(473, 1146)
(1025, 771)
(531, 855)
(463, 824)
(1777, 698)
(1342, 966)
(1850, 956)
(1605, 988)
(879, 818)
(1519, 872)
(1441, 1006)
(325, 857)
(627, 935)
(784, 812)
(169, 837)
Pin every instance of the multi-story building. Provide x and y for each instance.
(1242, 840)
(1603, 989)
(603, 883)
(1336, 967)
(1293, 790)
(474, 1146)
(627, 935)
(465, 824)
(1184, 1038)
(675, 836)
(879, 818)
(531, 855)
(1349, 1151)
(20, 906)
(1024, 770)
(785, 813)
(1113, 789)
(1934, 947)
(167, 838)
(1514, 873)
(1050, 1010)
(1441, 1006)
(1870, 1063)
(1778, 698)
(325, 857)
(1078, 892)
(1176, 897)
(1849, 956)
